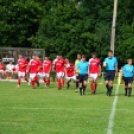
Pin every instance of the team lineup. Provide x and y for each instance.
(79, 72)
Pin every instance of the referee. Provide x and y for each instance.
(83, 67)
(111, 65)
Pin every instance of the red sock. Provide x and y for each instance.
(26, 79)
(91, 87)
(63, 81)
(32, 83)
(19, 81)
(96, 86)
(48, 81)
(36, 79)
(59, 83)
(44, 79)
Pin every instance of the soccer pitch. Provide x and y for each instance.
(51, 111)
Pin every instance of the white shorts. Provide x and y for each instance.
(40, 74)
(33, 75)
(1, 71)
(9, 71)
(71, 78)
(93, 76)
(60, 74)
(21, 74)
(46, 75)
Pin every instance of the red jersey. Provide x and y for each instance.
(40, 70)
(2, 66)
(60, 65)
(70, 69)
(22, 65)
(33, 65)
(47, 64)
(94, 65)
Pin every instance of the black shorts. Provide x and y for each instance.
(83, 77)
(110, 74)
(128, 80)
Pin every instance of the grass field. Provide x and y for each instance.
(50, 111)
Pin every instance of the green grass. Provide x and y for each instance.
(50, 111)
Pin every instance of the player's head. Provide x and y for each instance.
(67, 60)
(20, 55)
(83, 57)
(10, 62)
(129, 61)
(34, 56)
(46, 57)
(93, 55)
(28, 59)
(110, 53)
(78, 56)
(59, 56)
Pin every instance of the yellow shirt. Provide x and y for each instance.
(76, 63)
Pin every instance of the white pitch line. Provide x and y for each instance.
(113, 110)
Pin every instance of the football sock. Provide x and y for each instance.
(91, 87)
(19, 81)
(26, 79)
(80, 91)
(77, 85)
(44, 79)
(129, 92)
(84, 89)
(48, 81)
(110, 90)
(125, 91)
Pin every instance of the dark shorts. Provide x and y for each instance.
(128, 80)
(110, 74)
(83, 77)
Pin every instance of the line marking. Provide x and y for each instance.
(113, 110)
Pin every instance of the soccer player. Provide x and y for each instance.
(77, 71)
(59, 68)
(9, 70)
(33, 69)
(2, 69)
(128, 72)
(83, 67)
(40, 68)
(69, 72)
(94, 71)
(47, 66)
(22, 66)
(111, 65)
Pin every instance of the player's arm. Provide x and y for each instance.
(50, 68)
(99, 69)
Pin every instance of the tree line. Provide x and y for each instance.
(67, 26)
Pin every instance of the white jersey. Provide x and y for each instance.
(10, 67)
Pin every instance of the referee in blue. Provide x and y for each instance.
(111, 65)
(128, 73)
(83, 67)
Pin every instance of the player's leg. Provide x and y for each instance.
(125, 85)
(95, 78)
(80, 83)
(85, 77)
(68, 79)
(59, 80)
(77, 82)
(19, 79)
(91, 83)
(47, 79)
(32, 78)
(107, 82)
(130, 80)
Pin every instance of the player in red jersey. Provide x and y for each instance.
(2, 69)
(33, 69)
(59, 68)
(40, 68)
(94, 71)
(69, 72)
(47, 66)
(22, 66)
